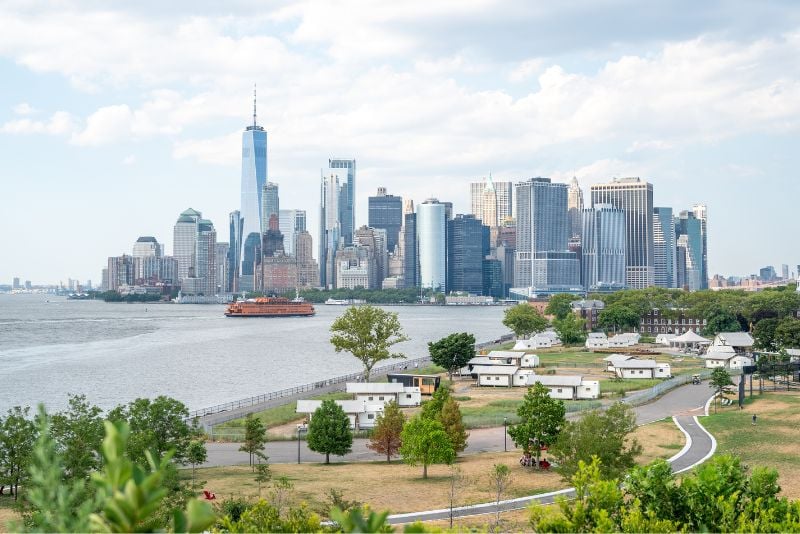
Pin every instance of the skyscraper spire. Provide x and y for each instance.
(254, 106)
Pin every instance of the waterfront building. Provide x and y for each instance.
(330, 228)
(375, 240)
(467, 246)
(767, 274)
(291, 222)
(221, 262)
(603, 248)
(236, 227)
(145, 247)
(158, 270)
(355, 267)
(254, 177)
(346, 170)
(680, 263)
(270, 204)
(701, 214)
(277, 274)
(491, 201)
(575, 210)
(251, 253)
(432, 244)
(410, 251)
(635, 198)
(121, 272)
(688, 230)
(307, 267)
(493, 278)
(272, 240)
(664, 245)
(184, 242)
(544, 265)
(205, 268)
(386, 212)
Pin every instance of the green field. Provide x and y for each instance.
(613, 387)
(492, 413)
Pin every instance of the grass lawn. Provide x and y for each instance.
(661, 439)
(491, 413)
(613, 387)
(772, 442)
(271, 417)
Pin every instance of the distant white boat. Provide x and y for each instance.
(344, 302)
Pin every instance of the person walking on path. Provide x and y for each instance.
(754, 418)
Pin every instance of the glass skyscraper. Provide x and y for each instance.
(236, 227)
(329, 228)
(689, 232)
(184, 243)
(701, 213)
(270, 204)
(432, 244)
(664, 244)
(346, 170)
(254, 177)
(603, 248)
(386, 212)
(410, 257)
(467, 244)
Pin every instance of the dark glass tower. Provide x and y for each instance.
(410, 258)
(347, 191)
(386, 212)
(466, 247)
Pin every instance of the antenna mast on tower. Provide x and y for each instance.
(254, 105)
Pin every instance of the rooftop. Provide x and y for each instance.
(374, 387)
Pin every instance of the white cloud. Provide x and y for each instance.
(224, 150)
(526, 69)
(59, 123)
(130, 159)
(653, 144)
(23, 108)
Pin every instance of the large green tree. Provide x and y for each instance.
(719, 319)
(255, 438)
(426, 442)
(524, 320)
(720, 379)
(560, 305)
(156, 425)
(764, 333)
(604, 434)
(385, 438)
(432, 409)
(329, 431)
(453, 424)
(452, 352)
(17, 436)
(787, 334)
(541, 420)
(570, 329)
(368, 333)
(78, 431)
(618, 316)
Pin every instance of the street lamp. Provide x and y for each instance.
(300, 428)
(505, 434)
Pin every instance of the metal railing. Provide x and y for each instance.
(313, 386)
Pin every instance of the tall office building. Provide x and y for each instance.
(689, 232)
(346, 170)
(145, 247)
(575, 209)
(432, 244)
(290, 223)
(603, 248)
(491, 202)
(329, 228)
(785, 271)
(386, 212)
(272, 239)
(410, 252)
(701, 213)
(121, 272)
(254, 177)
(184, 243)
(467, 246)
(307, 267)
(221, 262)
(635, 198)
(544, 264)
(202, 279)
(375, 240)
(236, 227)
(270, 204)
(664, 260)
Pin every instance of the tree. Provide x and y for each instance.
(787, 333)
(385, 438)
(719, 320)
(196, 454)
(541, 420)
(432, 409)
(720, 379)
(367, 333)
(560, 305)
(264, 517)
(454, 425)
(603, 435)
(157, 425)
(255, 438)
(452, 352)
(524, 320)
(764, 333)
(425, 442)
(570, 329)
(281, 489)
(500, 479)
(329, 431)
(78, 431)
(17, 437)
(618, 316)
(456, 482)
(263, 475)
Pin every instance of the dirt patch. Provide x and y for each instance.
(368, 482)
(661, 439)
(7, 515)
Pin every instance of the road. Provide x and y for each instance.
(685, 400)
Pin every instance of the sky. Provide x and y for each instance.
(117, 116)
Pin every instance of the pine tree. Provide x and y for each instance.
(454, 425)
(255, 438)
(385, 438)
(329, 431)
(433, 408)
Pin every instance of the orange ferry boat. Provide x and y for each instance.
(270, 307)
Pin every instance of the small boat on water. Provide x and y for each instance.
(270, 307)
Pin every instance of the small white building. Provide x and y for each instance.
(533, 343)
(568, 387)
(664, 339)
(596, 340)
(511, 357)
(361, 415)
(384, 392)
(741, 342)
(495, 375)
(634, 368)
(613, 359)
(627, 339)
(725, 356)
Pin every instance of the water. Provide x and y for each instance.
(114, 353)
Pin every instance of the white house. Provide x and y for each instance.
(495, 375)
(552, 335)
(742, 342)
(512, 357)
(613, 359)
(627, 339)
(568, 387)
(361, 415)
(634, 368)
(383, 392)
(664, 339)
(533, 343)
(725, 356)
(596, 340)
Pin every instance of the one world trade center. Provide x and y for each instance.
(254, 176)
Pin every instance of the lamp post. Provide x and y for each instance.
(505, 434)
(299, 429)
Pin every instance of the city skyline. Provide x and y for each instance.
(420, 114)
